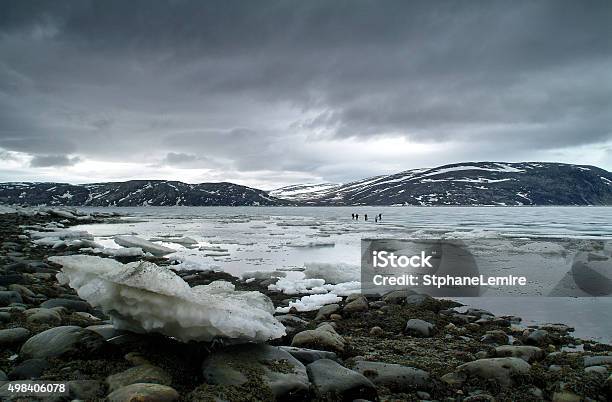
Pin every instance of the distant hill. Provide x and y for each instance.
(134, 193)
(477, 183)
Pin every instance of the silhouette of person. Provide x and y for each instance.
(357, 216)
(352, 216)
(380, 217)
(376, 219)
(365, 217)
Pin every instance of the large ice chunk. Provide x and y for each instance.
(332, 273)
(144, 297)
(145, 245)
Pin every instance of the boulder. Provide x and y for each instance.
(43, 316)
(597, 360)
(527, 353)
(86, 390)
(499, 369)
(58, 341)
(308, 356)
(333, 382)
(358, 305)
(323, 337)
(69, 304)
(13, 336)
(538, 337)
(29, 369)
(416, 327)
(9, 296)
(145, 373)
(393, 376)
(143, 392)
(278, 369)
(326, 310)
(397, 296)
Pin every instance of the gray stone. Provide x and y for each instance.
(538, 337)
(597, 369)
(308, 356)
(597, 360)
(13, 336)
(3, 376)
(331, 381)
(608, 387)
(43, 316)
(284, 374)
(496, 336)
(72, 305)
(145, 373)
(358, 305)
(8, 297)
(326, 310)
(29, 369)
(323, 337)
(500, 369)
(397, 296)
(58, 341)
(106, 331)
(527, 353)
(393, 376)
(5, 316)
(144, 393)
(416, 327)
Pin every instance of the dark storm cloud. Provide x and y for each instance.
(53, 161)
(283, 85)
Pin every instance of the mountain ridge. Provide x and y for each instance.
(469, 183)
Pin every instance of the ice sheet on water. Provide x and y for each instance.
(145, 245)
(119, 252)
(298, 286)
(260, 275)
(143, 297)
(311, 302)
(332, 273)
(190, 260)
(311, 244)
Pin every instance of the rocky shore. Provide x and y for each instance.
(400, 347)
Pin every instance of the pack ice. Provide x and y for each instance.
(143, 297)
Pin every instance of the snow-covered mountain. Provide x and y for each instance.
(134, 193)
(478, 183)
(304, 192)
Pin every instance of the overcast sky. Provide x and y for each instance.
(269, 93)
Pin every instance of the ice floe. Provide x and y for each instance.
(145, 245)
(332, 273)
(143, 297)
(311, 302)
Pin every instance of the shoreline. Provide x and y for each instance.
(406, 346)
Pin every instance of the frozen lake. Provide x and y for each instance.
(240, 239)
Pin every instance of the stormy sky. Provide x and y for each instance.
(269, 93)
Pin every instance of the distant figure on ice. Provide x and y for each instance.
(375, 218)
(380, 217)
(357, 216)
(352, 216)
(365, 217)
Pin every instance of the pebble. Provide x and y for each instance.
(376, 331)
(496, 336)
(331, 381)
(416, 327)
(144, 393)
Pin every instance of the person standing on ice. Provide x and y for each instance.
(357, 216)
(365, 217)
(352, 216)
(380, 217)
(376, 219)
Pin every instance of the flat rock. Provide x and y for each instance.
(106, 331)
(72, 305)
(500, 369)
(358, 305)
(597, 360)
(66, 340)
(43, 316)
(308, 356)
(13, 336)
(397, 296)
(597, 369)
(393, 376)
(333, 382)
(29, 369)
(144, 393)
(8, 297)
(416, 327)
(527, 353)
(323, 337)
(279, 370)
(144, 373)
